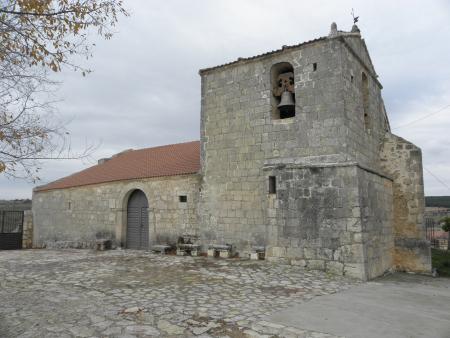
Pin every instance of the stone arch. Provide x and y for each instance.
(282, 79)
(122, 210)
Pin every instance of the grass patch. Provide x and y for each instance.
(441, 261)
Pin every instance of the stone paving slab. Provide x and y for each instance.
(124, 293)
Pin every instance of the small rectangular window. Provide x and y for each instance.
(314, 66)
(183, 198)
(69, 205)
(272, 185)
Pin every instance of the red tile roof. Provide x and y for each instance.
(169, 160)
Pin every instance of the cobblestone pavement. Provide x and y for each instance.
(122, 293)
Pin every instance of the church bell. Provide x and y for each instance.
(287, 104)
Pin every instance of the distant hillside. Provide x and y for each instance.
(15, 205)
(437, 201)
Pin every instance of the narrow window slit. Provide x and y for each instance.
(272, 185)
(365, 101)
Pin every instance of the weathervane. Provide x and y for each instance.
(355, 18)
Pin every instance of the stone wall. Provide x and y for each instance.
(375, 200)
(403, 161)
(314, 218)
(363, 144)
(75, 217)
(27, 235)
(331, 217)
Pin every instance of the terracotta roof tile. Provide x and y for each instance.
(169, 160)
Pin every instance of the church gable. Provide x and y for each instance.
(359, 47)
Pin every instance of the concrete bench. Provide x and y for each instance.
(160, 248)
(220, 250)
(184, 249)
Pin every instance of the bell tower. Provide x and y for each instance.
(290, 159)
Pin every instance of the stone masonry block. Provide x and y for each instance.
(335, 267)
(310, 253)
(355, 270)
(316, 264)
(224, 254)
(254, 256)
(275, 251)
(299, 262)
(294, 252)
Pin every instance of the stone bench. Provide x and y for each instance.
(103, 244)
(160, 248)
(258, 252)
(184, 249)
(220, 250)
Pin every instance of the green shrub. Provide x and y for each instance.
(441, 261)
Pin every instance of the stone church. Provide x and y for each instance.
(295, 155)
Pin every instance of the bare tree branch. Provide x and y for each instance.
(37, 37)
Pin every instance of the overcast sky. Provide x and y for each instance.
(145, 88)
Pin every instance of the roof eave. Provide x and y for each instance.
(261, 56)
(42, 188)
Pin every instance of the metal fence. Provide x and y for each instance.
(438, 239)
(11, 228)
(430, 228)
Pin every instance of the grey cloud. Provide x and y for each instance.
(145, 88)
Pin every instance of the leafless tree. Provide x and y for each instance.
(38, 37)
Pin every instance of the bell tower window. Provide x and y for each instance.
(283, 91)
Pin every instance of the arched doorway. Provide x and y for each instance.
(137, 221)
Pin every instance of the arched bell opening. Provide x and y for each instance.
(283, 91)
